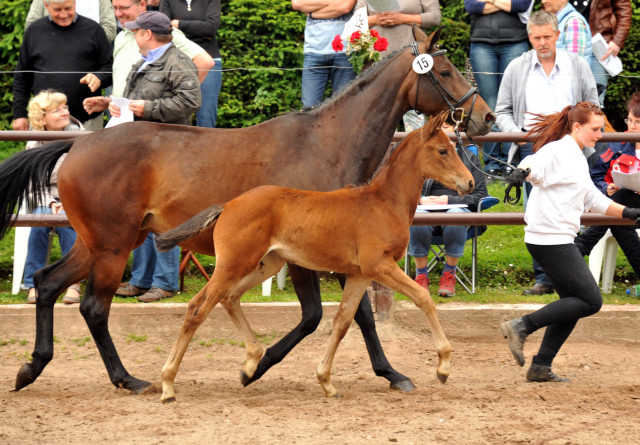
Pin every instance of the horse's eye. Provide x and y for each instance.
(442, 151)
(445, 74)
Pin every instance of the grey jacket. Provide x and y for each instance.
(169, 87)
(510, 106)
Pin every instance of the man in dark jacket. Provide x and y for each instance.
(162, 87)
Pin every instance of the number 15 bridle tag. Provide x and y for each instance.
(422, 63)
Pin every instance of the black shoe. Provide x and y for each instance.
(515, 332)
(539, 289)
(541, 373)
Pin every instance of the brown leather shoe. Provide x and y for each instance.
(31, 297)
(539, 289)
(73, 295)
(541, 373)
(155, 294)
(129, 290)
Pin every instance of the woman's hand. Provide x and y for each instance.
(56, 207)
(611, 189)
(434, 200)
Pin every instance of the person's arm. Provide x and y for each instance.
(102, 50)
(504, 104)
(36, 11)
(206, 27)
(22, 84)
(324, 9)
(622, 12)
(576, 34)
(203, 60)
(600, 170)
(108, 20)
(588, 88)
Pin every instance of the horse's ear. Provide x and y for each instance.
(418, 33)
(434, 38)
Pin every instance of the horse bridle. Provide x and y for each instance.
(458, 116)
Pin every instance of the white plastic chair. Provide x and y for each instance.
(603, 259)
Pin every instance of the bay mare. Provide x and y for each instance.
(121, 183)
(258, 232)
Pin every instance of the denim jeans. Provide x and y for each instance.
(151, 268)
(318, 70)
(207, 114)
(493, 58)
(601, 75)
(39, 242)
(453, 238)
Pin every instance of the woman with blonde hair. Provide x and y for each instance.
(48, 111)
(562, 192)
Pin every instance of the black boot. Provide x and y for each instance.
(515, 332)
(541, 373)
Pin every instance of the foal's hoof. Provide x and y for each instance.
(24, 377)
(404, 386)
(442, 377)
(244, 378)
(169, 400)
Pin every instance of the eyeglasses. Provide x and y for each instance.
(632, 122)
(58, 110)
(123, 8)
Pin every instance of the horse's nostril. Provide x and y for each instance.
(490, 118)
(470, 184)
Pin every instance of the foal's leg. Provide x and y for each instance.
(389, 274)
(50, 283)
(353, 290)
(307, 287)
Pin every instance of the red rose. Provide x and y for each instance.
(355, 36)
(374, 33)
(336, 44)
(381, 44)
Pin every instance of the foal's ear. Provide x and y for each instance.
(435, 124)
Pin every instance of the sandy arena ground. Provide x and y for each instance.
(486, 400)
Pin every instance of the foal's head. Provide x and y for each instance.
(439, 160)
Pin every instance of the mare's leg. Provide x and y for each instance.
(107, 267)
(379, 362)
(50, 282)
(354, 287)
(307, 287)
(389, 274)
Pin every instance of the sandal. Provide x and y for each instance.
(73, 295)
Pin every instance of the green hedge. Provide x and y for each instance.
(261, 43)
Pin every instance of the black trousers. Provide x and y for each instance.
(626, 236)
(579, 297)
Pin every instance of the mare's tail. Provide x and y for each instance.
(27, 172)
(189, 229)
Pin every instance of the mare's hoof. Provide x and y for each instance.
(137, 386)
(404, 386)
(442, 377)
(24, 377)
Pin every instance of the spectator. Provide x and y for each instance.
(48, 111)
(126, 52)
(612, 20)
(626, 236)
(325, 20)
(575, 34)
(162, 87)
(498, 35)
(454, 237)
(200, 22)
(396, 27)
(98, 10)
(562, 191)
(534, 84)
(55, 51)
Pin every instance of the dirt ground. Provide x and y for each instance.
(486, 400)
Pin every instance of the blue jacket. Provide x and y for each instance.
(601, 171)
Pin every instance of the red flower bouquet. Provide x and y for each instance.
(362, 48)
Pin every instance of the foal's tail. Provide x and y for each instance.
(189, 229)
(27, 172)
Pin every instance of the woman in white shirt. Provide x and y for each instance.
(562, 192)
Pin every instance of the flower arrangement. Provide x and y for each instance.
(362, 48)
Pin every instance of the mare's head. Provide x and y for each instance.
(441, 86)
(438, 158)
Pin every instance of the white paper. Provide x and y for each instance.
(126, 115)
(385, 5)
(358, 22)
(630, 181)
(430, 207)
(612, 64)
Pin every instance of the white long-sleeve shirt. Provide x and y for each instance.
(562, 192)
